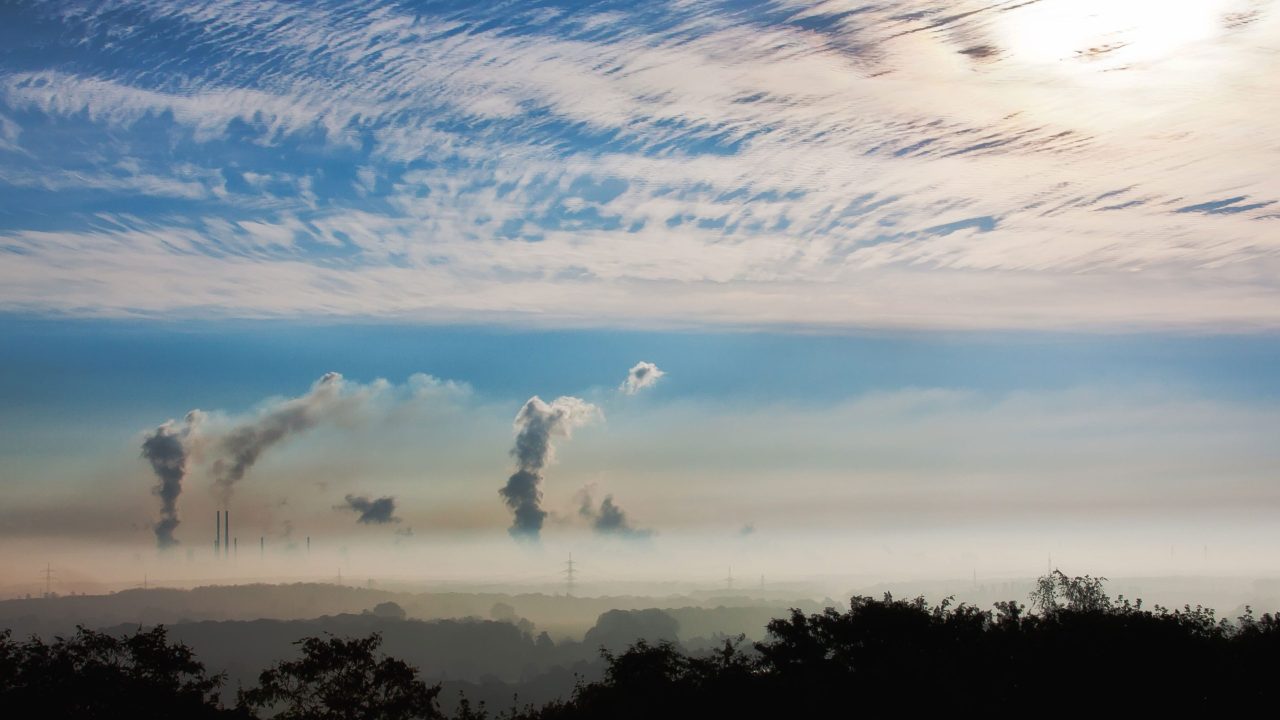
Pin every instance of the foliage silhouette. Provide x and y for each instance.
(911, 657)
(342, 679)
(97, 675)
(1056, 591)
(1080, 649)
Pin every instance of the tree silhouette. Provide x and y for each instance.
(97, 675)
(909, 657)
(1056, 591)
(342, 679)
(1078, 649)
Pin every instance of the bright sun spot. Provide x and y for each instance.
(1106, 34)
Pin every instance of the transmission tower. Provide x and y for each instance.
(568, 576)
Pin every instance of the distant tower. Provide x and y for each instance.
(235, 546)
(729, 580)
(226, 533)
(262, 546)
(308, 545)
(568, 576)
(217, 533)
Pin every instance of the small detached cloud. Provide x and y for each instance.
(643, 375)
(378, 511)
(608, 518)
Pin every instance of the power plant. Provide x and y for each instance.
(226, 546)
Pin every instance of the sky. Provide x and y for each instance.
(911, 286)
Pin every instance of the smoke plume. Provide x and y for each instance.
(241, 446)
(643, 375)
(535, 425)
(167, 450)
(609, 518)
(379, 511)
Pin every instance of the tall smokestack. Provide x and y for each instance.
(217, 529)
(262, 547)
(226, 532)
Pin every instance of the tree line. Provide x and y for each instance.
(1071, 649)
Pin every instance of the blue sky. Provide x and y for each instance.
(60, 366)
(940, 264)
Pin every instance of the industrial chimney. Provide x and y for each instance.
(226, 532)
(217, 529)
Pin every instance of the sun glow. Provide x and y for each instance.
(1110, 34)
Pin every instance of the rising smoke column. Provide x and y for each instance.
(535, 425)
(167, 449)
(379, 511)
(643, 375)
(241, 446)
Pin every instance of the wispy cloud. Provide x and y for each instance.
(834, 165)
